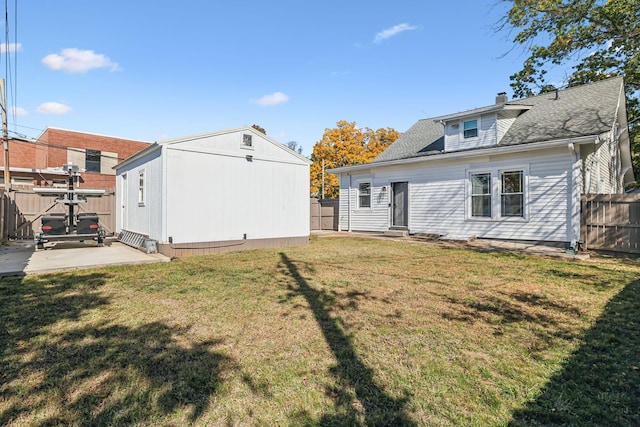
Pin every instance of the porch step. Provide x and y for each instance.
(131, 238)
(396, 233)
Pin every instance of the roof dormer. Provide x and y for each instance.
(480, 127)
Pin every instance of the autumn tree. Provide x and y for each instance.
(345, 145)
(596, 38)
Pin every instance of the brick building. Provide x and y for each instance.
(39, 162)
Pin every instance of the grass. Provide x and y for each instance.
(344, 331)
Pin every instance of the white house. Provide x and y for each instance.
(511, 170)
(227, 190)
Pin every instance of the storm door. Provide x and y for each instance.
(400, 204)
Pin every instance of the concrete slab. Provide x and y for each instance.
(22, 258)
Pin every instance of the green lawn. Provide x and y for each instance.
(345, 331)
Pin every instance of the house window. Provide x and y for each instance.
(470, 129)
(92, 161)
(141, 192)
(364, 195)
(247, 140)
(481, 195)
(512, 194)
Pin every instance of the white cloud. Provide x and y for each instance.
(53, 108)
(390, 32)
(11, 47)
(18, 111)
(270, 100)
(74, 60)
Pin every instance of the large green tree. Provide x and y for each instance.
(597, 39)
(345, 145)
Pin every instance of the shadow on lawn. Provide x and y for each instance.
(600, 383)
(351, 373)
(93, 373)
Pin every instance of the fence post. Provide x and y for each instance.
(4, 228)
(584, 230)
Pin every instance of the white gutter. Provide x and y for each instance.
(150, 149)
(506, 149)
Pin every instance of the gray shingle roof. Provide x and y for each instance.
(578, 111)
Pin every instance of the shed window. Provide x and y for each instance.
(92, 160)
(364, 195)
(141, 189)
(470, 128)
(247, 140)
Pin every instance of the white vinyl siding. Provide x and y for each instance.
(486, 133)
(599, 167)
(439, 202)
(144, 218)
(504, 122)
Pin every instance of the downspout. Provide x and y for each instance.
(349, 205)
(573, 211)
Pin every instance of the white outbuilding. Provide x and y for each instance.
(228, 190)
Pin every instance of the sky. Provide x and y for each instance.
(164, 69)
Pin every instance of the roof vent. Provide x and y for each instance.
(501, 98)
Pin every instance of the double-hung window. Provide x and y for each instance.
(470, 129)
(497, 194)
(364, 195)
(481, 195)
(512, 194)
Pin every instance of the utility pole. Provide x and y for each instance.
(5, 138)
(4, 223)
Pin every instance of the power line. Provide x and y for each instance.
(65, 147)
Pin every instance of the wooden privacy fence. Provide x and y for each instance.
(21, 209)
(324, 214)
(611, 222)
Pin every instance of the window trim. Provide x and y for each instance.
(359, 195)
(490, 194)
(502, 193)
